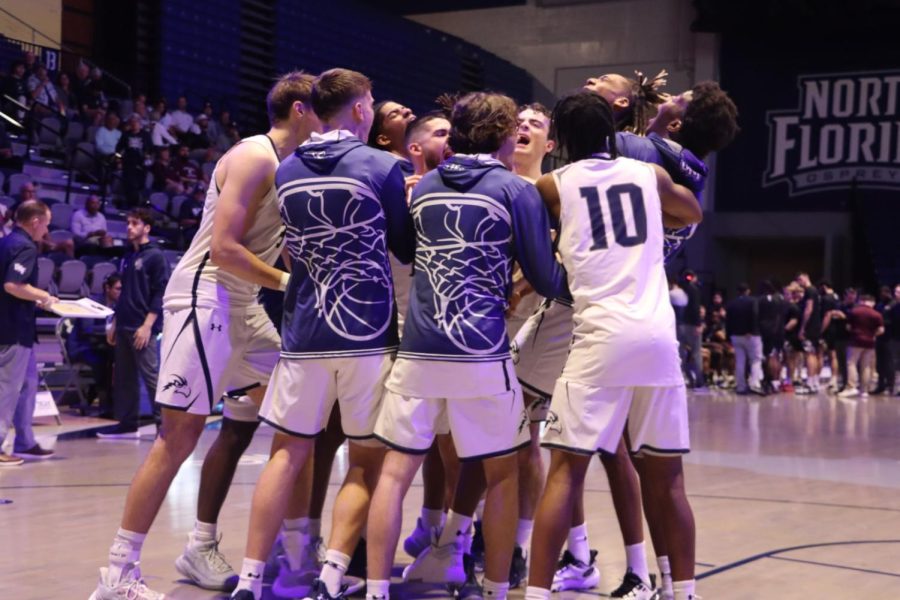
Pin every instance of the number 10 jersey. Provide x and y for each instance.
(611, 243)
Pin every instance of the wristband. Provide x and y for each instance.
(285, 277)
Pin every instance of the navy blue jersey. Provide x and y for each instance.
(473, 218)
(344, 205)
(682, 166)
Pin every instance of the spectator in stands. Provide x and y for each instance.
(201, 139)
(68, 102)
(159, 110)
(216, 126)
(140, 109)
(137, 323)
(27, 191)
(135, 148)
(228, 134)
(86, 343)
(883, 364)
(98, 89)
(90, 96)
(6, 221)
(189, 171)
(43, 93)
(16, 87)
(166, 177)
(107, 137)
(183, 121)
(163, 131)
(742, 326)
(89, 225)
(18, 299)
(190, 213)
(31, 62)
(8, 160)
(690, 331)
(865, 324)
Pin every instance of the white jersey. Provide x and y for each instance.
(198, 281)
(611, 243)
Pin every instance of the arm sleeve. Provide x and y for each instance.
(21, 264)
(159, 277)
(533, 248)
(401, 238)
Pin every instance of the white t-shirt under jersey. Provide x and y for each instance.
(611, 243)
(198, 278)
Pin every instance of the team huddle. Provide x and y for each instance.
(444, 301)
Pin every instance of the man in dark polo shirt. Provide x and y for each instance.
(690, 330)
(18, 369)
(742, 326)
(138, 321)
(810, 332)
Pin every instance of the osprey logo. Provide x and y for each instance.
(552, 423)
(19, 268)
(843, 132)
(179, 386)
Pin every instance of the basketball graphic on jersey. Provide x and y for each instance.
(465, 275)
(336, 230)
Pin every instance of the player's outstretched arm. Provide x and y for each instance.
(679, 205)
(248, 177)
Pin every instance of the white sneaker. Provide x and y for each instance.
(634, 588)
(849, 393)
(298, 583)
(204, 565)
(438, 564)
(572, 574)
(130, 586)
(418, 540)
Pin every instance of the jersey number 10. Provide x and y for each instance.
(614, 201)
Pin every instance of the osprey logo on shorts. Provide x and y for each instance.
(552, 422)
(19, 268)
(179, 386)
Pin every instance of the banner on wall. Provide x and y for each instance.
(844, 129)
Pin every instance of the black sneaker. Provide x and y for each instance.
(320, 591)
(634, 588)
(118, 432)
(471, 589)
(518, 568)
(357, 566)
(34, 453)
(478, 547)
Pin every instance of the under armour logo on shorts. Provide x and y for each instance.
(215, 327)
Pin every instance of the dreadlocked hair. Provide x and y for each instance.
(645, 97)
(445, 103)
(583, 124)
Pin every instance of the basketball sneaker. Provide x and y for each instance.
(243, 595)
(849, 393)
(518, 568)
(477, 549)
(572, 574)
(273, 561)
(418, 540)
(471, 589)
(320, 592)
(130, 586)
(634, 588)
(438, 564)
(203, 564)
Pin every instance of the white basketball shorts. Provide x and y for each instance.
(483, 427)
(303, 392)
(586, 419)
(540, 350)
(207, 352)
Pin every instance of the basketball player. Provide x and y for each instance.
(616, 276)
(473, 219)
(344, 204)
(389, 132)
(216, 337)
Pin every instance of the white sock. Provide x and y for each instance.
(294, 542)
(457, 525)
(536, 593)
(126, 548)
(494, 590)
(577, 543)
(479, 510)
(637, 561)
(203, 533)
(333, 570)
(684, 590)
(377, 589)
(252, 576)
(523, 533)
(665, 574)
(432, 517)
(315, 528)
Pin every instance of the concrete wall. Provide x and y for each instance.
(562, 46)
(43, 15)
